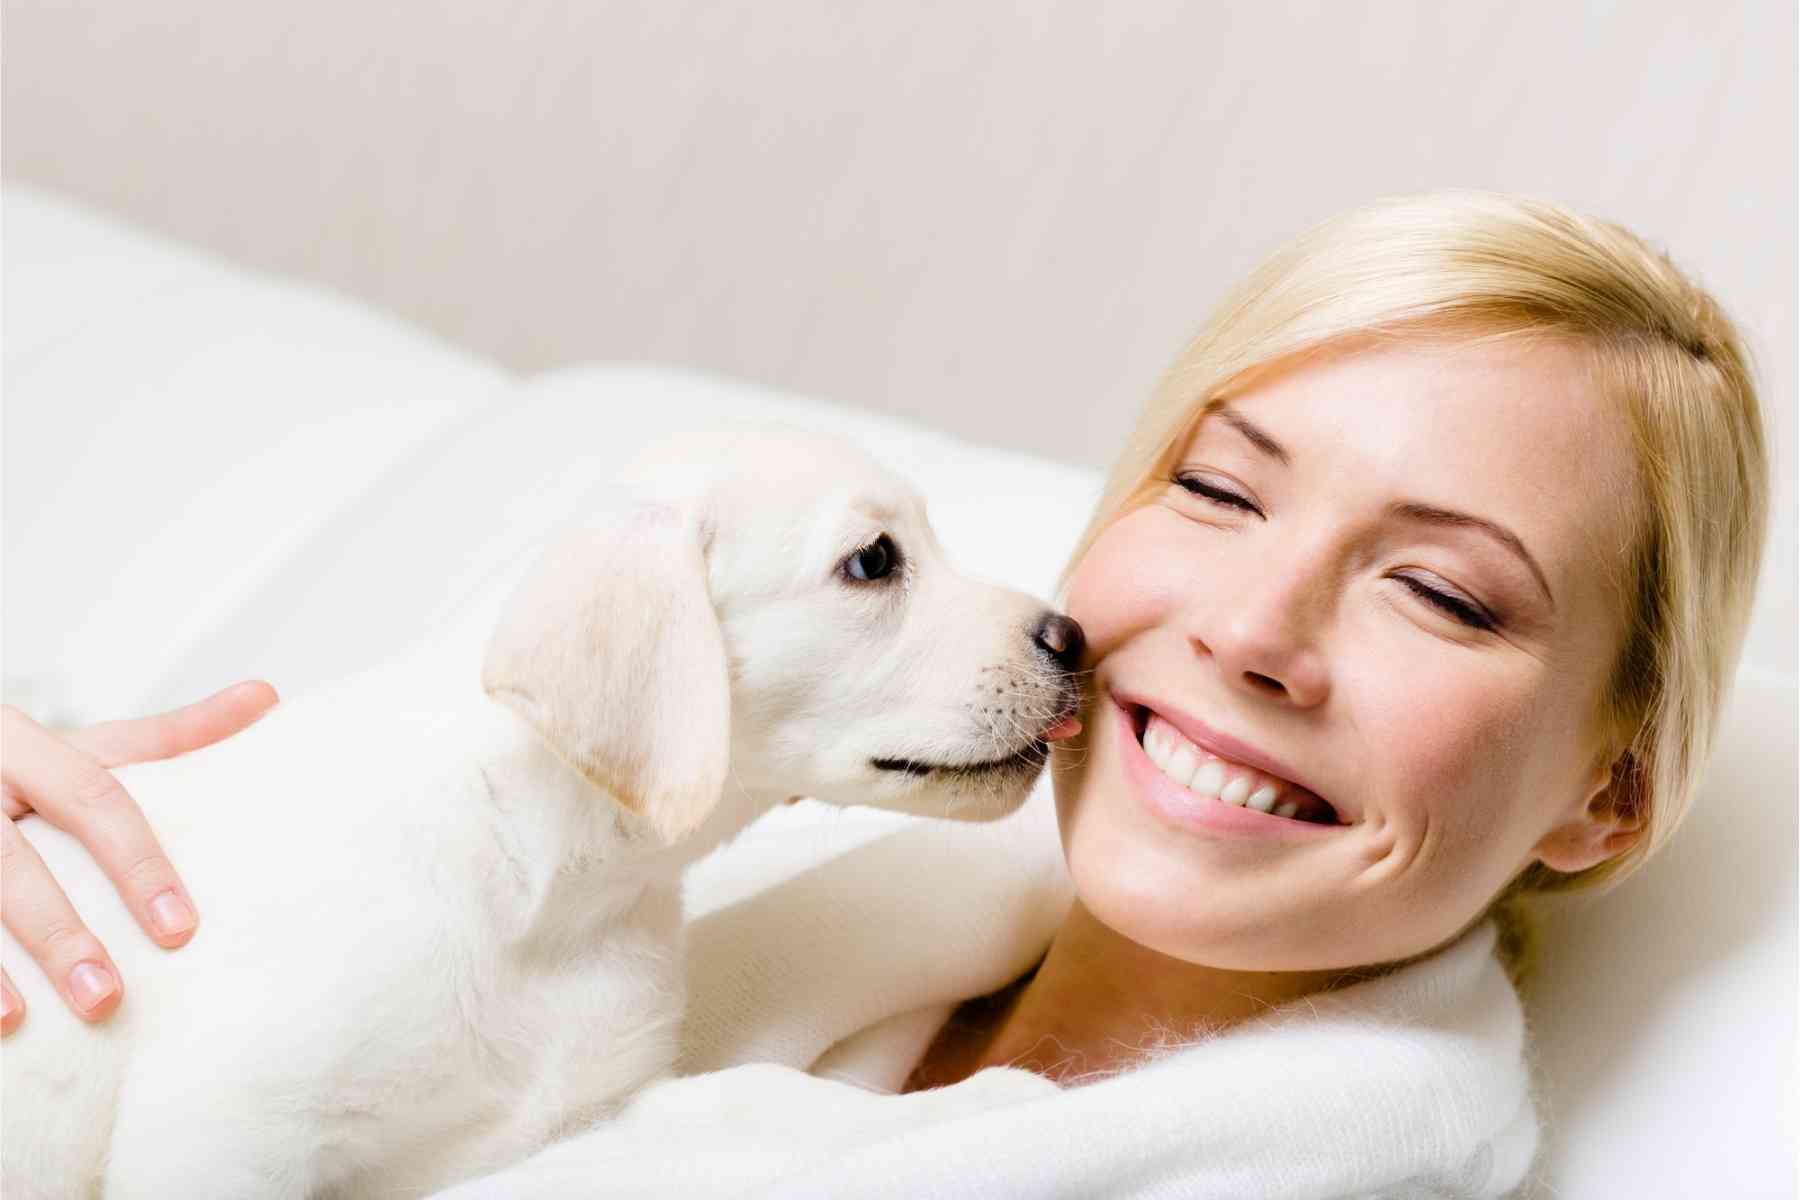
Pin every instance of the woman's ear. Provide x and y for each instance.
(611, 650)
(1609, 821)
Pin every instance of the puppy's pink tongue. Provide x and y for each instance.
(1068, 727)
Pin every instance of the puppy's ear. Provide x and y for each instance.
(611, 650)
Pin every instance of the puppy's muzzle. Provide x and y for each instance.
(1061, 638)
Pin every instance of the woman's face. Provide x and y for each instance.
(1380, 579)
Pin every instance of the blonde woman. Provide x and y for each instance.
(1417, 588)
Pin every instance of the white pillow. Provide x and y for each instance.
(178, 432)
(1663, 1022)
(211, 476)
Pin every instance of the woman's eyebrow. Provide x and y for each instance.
(1253, 433)
(1412, 510)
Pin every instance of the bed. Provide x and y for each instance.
(212, 475)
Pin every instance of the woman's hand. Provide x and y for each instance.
(64, 778)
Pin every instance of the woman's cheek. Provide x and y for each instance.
(1454, 737)
(1131, 578)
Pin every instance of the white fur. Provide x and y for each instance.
(429, 941)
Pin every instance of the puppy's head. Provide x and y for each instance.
(777, 606)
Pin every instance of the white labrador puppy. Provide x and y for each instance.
(442, 900)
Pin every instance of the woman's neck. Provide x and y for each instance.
(1100, 1000)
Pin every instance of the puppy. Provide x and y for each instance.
(442, 909)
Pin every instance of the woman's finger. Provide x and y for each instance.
(76, 794)
(38, 914)
(12, 1005)
(114, 743)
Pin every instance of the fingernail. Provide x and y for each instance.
(9, 1004)
(91, 984)
(171, 915)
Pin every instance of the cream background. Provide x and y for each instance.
(999, 219)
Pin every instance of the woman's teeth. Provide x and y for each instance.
(1219, 779)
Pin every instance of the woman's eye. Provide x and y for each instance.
(1455, 606)
(874, 561)
(1208, 490)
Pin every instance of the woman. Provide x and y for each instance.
(1417, 588)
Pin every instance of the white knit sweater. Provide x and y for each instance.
(826, 951)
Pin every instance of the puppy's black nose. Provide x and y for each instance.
(1062, 639)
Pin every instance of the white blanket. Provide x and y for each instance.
(815, 992)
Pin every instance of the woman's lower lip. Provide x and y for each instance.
(1188, 811)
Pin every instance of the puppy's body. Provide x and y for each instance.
(513, 966)
(440, 902)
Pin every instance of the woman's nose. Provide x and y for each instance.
(1266, 637)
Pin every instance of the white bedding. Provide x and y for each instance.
(210, 476)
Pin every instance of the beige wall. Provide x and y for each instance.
(1000, 219)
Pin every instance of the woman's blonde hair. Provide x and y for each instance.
(1478, 265)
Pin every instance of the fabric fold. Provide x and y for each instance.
(819, 987)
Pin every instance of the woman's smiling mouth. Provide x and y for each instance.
(1187, 781)
(1214, 778)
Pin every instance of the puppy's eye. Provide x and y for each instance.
(874, 561)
